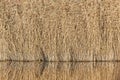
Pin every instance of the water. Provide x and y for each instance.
(59, 71)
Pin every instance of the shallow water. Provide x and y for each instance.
(59, 71)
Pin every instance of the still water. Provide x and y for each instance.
(59, 71)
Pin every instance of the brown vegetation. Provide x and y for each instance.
(60, 30)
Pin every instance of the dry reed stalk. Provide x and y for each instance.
(60, 30)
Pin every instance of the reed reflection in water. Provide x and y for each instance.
(59, 71)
